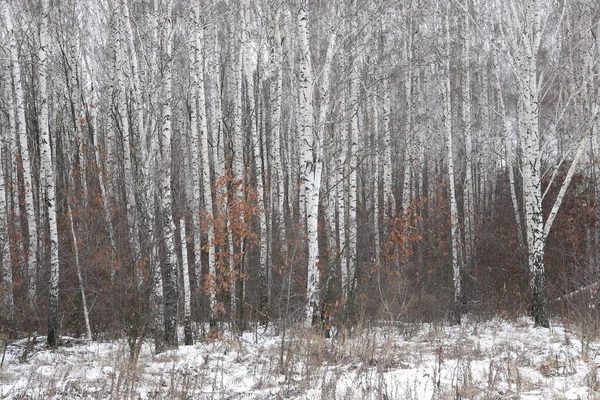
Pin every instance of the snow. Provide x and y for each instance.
(494, 359)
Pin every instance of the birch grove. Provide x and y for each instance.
(213, 165)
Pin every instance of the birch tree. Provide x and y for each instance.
(31, 245)
(48, 177)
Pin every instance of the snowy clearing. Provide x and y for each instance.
(479, 360)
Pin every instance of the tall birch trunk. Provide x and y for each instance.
(249, 68)
(47, 171)
(454, 229)
(86, 314)
(31, 249)
(168, 226)
(207, 184)
(389, 198)
(122, 110)
(5, 259)
(349, 289)
(309, 187)
(194, 203)
(468, 208)
(527, 70)
(187, 303)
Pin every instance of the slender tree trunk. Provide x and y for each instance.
(276, 88)
(86, 314)
(454, 228)
(249, 68)
(195, 206)
(187, 303)
(207, 188)
(47, 170)
(31, 249)
(352, 182)
(389, 198)
(168, 225)
(7, 275)
(468, 208)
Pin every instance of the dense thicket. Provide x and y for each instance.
(172, 163)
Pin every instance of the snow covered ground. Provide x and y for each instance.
(495, 359)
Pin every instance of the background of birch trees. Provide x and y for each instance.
(333, 163)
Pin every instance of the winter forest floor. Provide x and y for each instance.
(494, 359)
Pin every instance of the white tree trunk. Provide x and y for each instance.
(122, 111)
(168, 226)
(5, 259)
(349, 289)
(47, 171)
(196, 62)
(207, 185)
(187, 302)
(86, 314)
(32, 242)
(309, 187)
(454, 228)
(468, 208)
(389, 198)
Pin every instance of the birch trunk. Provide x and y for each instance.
(468, 208)
(195, 206)
(309, 187)
(276, 87)
(529, 95)
(249, 68)
(187, 303)
(5, 259)
(86, 314)
(31, 248)
(207, 186)
(340, 189)
(168, 228)
(509, 160)
(389, 198)
(122, 110)
(47, 172)
(352, 183)
(237, 176)
(454, 229)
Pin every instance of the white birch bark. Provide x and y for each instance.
(122, 68)
(352, 181)
(187, 302)
(168, 226)
(47, 172)
(237, 172)
(31, 249)
(340, 189)
(526, 41)
(86, 314)
(389, 198)
(447, 119)
(468, 208)
(305, 109)
(509, 160)
(309, 184)
(196, 61)
(409, 161)
(375, 171)
(276, 89)
(5, 259)
(249, 68)
(206, 183)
